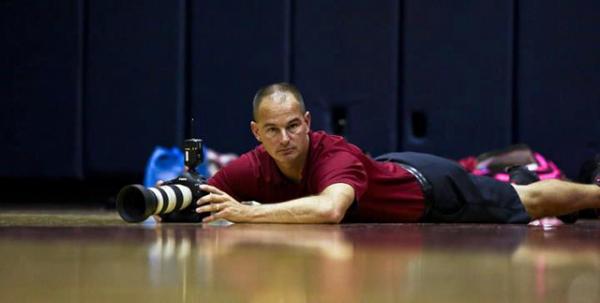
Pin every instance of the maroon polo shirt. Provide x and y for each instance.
(384, 192)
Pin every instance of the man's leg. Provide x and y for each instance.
(550, 198)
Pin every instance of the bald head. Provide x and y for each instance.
(279, 92)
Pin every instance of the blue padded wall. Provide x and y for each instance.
(40, 119)
(236, 48)
(90, 87)
(135, 82)
(345, 61)
(457, 76)
(559, 80)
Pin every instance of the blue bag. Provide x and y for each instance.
(167, 163)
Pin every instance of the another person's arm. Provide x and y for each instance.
(329, 206)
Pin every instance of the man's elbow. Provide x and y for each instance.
(333, 215)
(335, 202)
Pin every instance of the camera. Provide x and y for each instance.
(173, 200)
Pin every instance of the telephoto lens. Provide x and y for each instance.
(135, 203)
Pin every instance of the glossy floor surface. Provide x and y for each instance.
(92, 256)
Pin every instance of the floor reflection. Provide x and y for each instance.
(293, 263)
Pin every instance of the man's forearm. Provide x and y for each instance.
(327, 207)
(311, 209)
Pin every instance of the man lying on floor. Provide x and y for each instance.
(300, 176)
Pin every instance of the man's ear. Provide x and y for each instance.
(254, 128)
(307, 118)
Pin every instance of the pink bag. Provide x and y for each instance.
(495, 163)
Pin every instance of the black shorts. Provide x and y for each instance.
(459, 197)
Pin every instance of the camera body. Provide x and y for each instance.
(191, 180)
(173, 200)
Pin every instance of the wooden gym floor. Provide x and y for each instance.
(92, 256)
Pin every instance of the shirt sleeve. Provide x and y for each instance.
(341, 167)
(235, 178)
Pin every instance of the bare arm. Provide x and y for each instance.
(327, 207)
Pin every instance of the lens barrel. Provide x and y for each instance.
(135, 203)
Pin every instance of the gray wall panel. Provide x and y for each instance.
(346, 63)
(237, 47)
(559, 80)
(40, 120)
(457, 76)
(134, 82)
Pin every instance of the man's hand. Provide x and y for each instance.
(329, 206)
(221, 205)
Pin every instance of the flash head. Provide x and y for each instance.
(193, 153)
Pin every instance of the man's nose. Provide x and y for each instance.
(285, 138)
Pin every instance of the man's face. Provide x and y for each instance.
(282, 128)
